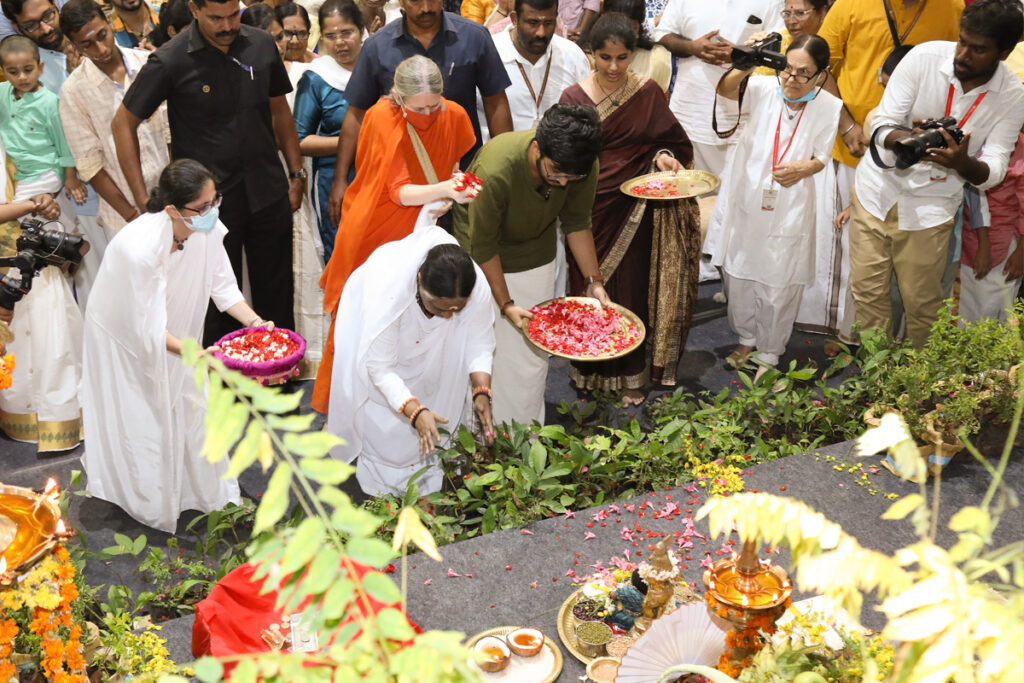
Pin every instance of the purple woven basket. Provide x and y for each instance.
(264, 371)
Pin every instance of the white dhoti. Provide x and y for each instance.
(991, 296)
(762, 316)
(308, 264)
(41, 406)
(520, 370)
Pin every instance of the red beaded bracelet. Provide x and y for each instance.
(415, 414)
(483, 390)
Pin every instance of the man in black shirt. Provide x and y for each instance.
(225, 87)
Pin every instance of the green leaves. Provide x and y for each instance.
(370, 551)
(275, 500)
(904, 506)
(381, 588)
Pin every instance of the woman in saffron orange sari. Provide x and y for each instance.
(409, 144)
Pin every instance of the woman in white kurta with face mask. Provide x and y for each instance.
(141, 410)
(774, 183)
(414, 341)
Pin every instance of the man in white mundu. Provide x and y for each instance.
(142, 412)
(762, 231)
(540, 65)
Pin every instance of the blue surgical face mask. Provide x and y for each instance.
(204, 223)
(805, 98)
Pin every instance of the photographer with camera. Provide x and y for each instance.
(777, 186)
(949, 116)
(43, 205)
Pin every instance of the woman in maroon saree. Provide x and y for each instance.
(649, 251)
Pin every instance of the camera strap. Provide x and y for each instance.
(897, 38)
(970, 110)
(739, 108)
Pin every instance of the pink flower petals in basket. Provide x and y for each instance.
(266, 356)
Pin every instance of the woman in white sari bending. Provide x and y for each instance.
(414, 344)
(141, 410)
(762, 231)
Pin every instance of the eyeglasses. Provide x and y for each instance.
(205, 211)
(798, 78)
(798, 14)
(49, 17)
(297, 35)
(558, 177)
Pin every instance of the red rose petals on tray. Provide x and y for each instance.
(670, 184)
(269, 356)
(575, 328)
(260, 345)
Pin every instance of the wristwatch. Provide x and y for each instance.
(298, 175)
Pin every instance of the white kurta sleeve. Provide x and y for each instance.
(381, 358)
(224, 292)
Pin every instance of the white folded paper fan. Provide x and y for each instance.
(687, 636)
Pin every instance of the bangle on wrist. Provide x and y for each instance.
(483, 391)
(843, 134)
(595, 280)
(504, 14)
(401, 411)
(415, 414)
(510, 302)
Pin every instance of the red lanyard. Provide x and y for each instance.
(949, 106)
(776, 159)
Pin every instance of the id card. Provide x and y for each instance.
(769, 196)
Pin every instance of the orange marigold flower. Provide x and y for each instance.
(66, 572)
(8, 630)
(76, 662)
(7, 671)
(68, 592)
(62, 554)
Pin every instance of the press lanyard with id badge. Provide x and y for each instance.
(963, 121)
(770, 194)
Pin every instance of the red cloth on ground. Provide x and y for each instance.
(229, 621)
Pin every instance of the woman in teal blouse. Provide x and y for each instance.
(320, 103)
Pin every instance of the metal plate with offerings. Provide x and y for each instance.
(671, 185)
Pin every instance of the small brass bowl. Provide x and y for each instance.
(604, 669)
(525, 642)
(489, 647)
(594, 646)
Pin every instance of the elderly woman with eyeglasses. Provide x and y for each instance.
(140, 406)
(777, 185)
(409, 145)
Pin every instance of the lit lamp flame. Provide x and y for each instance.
(744, 600)
(5, 580)
(62, 529)
(51, 484)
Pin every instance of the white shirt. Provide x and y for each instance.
(693, 96)
(918, 89)
(569, 65)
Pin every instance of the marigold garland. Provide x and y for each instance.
(48, 589)
(6, 368)
(747, 640)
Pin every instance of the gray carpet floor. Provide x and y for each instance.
(496, 596)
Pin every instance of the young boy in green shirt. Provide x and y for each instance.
(30, 126)
(41, 405)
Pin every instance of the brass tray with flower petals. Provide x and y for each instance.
(28, 522)
(671, 184)
(628, 317)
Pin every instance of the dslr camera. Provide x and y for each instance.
(911, 149)
(37, 248)
(766, 52)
